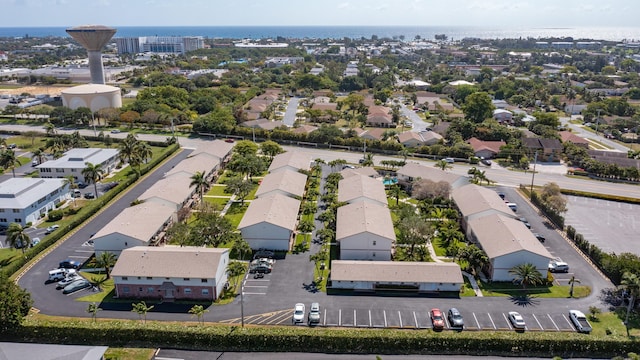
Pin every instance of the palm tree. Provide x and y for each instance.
(572, 281)
(475, 257)
(241, 247)
(526, 274)
(50, 129)
(234, 271)
(106, 260)
(631, 283)
(404, 153)
(93, 310)
(8, 160)
(198, 311)
(318, 258)
(70, 181)
(368, 160)
(306, 226)
(93, 173)
(396, 192)
(443, 165)
(38, 155)
(128, 148)
(142, 309)
(17, 237)
(143, 151)
(199, 181)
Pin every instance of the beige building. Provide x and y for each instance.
(140, 225)
(92, 96)
(421, 277)
(365, 231)
(220, 149)
(270, 222)
(361, 188)
(412, 171)
(365, 171)
(291, 160)
(174, 191)
(171, 273)
(202, 162)
(475, 201)
(286, 182)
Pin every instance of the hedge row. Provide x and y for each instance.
(555, 217)
(128, 333)
(85, 213)
(587, 194)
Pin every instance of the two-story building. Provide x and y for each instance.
(171, 273)
(75, 160)
(364, 231)
(25, 200)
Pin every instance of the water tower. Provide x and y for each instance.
(93, 38)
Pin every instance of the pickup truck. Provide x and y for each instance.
(580, 321)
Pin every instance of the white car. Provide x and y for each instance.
(558, 266)
(517, 320)
(71, 277)
(298, 313)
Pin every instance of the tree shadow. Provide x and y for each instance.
(311, 287)
(524, 300)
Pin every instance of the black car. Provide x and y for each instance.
(261, 268)
(539, 237)
(89, 195)
(70, 264)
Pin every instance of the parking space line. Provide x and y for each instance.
(400, 317)
(553, 322)
(492, 323)
(324, 321)
(507, 320)
(569, 322)
(477, 323)
(415, 318)
(355, 317)
(339, 317)
(254, 293)
(540, 325)
(370, 323)
(384, 312)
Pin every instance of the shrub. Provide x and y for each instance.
(55, 215)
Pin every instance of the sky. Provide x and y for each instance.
(488, 13)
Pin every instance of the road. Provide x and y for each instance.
(418, 123)
(290, 114)
(580, 131)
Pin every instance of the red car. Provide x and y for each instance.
(437, 319)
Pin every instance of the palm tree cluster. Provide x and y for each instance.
(135, 152)
(8, 160)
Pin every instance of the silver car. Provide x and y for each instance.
(68, 280)
(76, 286)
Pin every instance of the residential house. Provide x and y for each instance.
(304, 129)
(286, 182)
(374, 134)
(507, 243)
(568, 136)
(413, 171)
(503, 116)
(75, 160)
(175, 191)
(203, 162)
(26, 200)
(171, 273)
(441, 128)
(364, 171)
(475, 201)
(364, 231)
(291, 160)
(139, 225)
(218, 148)
(361, 188)
(422, 277)
(415, 139)
(548, 150)
(380, 120)
(485, 149)
(270, 222)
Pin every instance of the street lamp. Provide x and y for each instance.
(598, 120)
(242, 299)
(533, 173)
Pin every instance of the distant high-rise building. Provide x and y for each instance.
(159, 44)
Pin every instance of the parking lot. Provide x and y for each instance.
(414, 319)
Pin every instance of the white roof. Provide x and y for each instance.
(288, 181)
(360, 186)
(77, 158)
(90, 89)
(174, 188)
(394, 271)
(294, 159)
(364, 217)
(217, 148)
(19, 193)
(276, 209)
(415, 171)
(201, 162)
(473, 199)
(139, 222)
(460, 82)
(169, 262)
(501, 111)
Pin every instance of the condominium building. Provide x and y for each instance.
(159, 44)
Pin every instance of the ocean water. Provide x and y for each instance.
(354, 32)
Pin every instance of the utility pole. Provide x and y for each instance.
(533, 174)
(598, 120)
(242, 299)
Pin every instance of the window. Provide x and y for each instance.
(204, 280)
(374, 243)
(150, 290)
(187, 291)
(149, 278)
(124, 278)
(140, 289)
(1, 210)
(186, 279)
(4, 220)
(16, 211)
(205, 291)
(17, 220)
(125, 289)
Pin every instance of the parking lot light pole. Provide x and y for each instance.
(533, 173)
(242, 300)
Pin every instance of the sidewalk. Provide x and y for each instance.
(472, 280)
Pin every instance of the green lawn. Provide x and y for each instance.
(8, 255)
(218, 191)
(236, 212)
(107, 293)
(128, 353)
(440, 251)
(555, 291)
(467, 290)
(219, 201)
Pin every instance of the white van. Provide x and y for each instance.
(77, 193)
(513, 206)
(57, 274)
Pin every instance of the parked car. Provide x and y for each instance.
(51, 229)
(525, 222)
(517, 320)
(436, 319)
(265, 261)
(115, 131)
(449, 160)
(314, 314)
(558, 266)
(580, 321)
(512, 206)
(70, 264)
(89, 195)
(35, 241)
(260, 268)
(76, 286)
(263, 254)
(485, 161)
(455, 318)
(229, 140)
(81, 185)
(502, 195)
(71, 277)
(539, 237)
(12, 146)
(298, 313)
(60, 274)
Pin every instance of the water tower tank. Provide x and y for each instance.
(93, 38)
